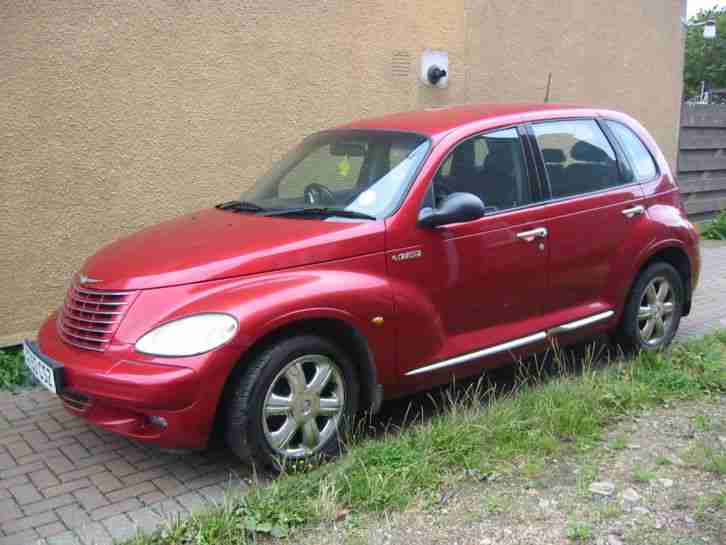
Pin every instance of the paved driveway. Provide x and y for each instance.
(709, 301)
(62, 482)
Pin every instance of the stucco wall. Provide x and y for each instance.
(116, 115)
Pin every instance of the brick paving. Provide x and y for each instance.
(63, 482)
(709, 300)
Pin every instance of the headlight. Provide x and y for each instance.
(188, 336)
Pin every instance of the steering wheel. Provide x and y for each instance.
(318, 194)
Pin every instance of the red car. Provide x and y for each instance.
(376, 259)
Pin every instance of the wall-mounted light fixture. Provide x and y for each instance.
(709, 27)
(435, 68)
(709, 30)
(709, 33)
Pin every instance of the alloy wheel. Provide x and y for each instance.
(303, 406)
(655, 313)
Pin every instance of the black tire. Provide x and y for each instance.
(629, 335)
(245, 423)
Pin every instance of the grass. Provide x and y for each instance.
(579, 531)
(474, 432)
(607, 511)
(13, 373)
(702, 423)
(716, 228)
(496, 504)
(588, 475)
(619, 443)
(706, 503)
(707, 457)
(642, 475)
(663, 461)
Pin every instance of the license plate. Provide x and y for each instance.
(49, 375)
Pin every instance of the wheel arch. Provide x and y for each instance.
(333, 328)
(676, 256)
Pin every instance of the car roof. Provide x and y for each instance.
(435, 122)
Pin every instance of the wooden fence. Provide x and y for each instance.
(702, 159)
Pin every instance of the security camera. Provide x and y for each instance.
(709, 30)
(435, 68)
(435, 74)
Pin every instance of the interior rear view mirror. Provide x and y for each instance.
(347, 149)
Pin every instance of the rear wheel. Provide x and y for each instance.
(654, 308)
(294, 401)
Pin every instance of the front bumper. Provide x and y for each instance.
(168, 401)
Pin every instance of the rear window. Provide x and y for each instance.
(638, 155)
(578, 157)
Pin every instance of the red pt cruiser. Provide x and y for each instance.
(376, 259)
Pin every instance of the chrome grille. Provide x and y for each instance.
(89, 318)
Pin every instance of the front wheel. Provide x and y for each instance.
(294, 401)
(653, 311)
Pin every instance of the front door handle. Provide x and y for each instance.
(531, 235)
(635, 211)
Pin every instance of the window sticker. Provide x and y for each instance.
(344, 167)
(367, 198)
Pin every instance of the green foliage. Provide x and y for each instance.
(619, 443)
(702, 423)
(13, 373)
(579, 531)
(716, 228)
(642, 475)
(663, 461)
(496, 504)
(715, 461)
(705, 59)
(475, 433)
(709, 507)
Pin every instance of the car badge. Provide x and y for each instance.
(88, 280)
(404, 256)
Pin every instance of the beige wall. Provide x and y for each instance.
(115, 115)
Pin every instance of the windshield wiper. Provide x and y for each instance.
(240, 206)
(319, 211)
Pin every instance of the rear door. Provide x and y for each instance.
(593, 205)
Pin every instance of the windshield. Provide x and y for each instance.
(364, 173)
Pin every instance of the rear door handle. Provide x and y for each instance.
(531, 235)
(635, 211)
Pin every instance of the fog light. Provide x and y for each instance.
(158, 421)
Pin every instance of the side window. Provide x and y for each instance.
(636, 151)
(577, 156)
(491, 166)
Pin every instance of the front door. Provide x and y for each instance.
(482, 281)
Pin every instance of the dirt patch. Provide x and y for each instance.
(657, 479)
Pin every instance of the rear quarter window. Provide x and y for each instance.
(638, 155)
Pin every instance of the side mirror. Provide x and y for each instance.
(456, 208)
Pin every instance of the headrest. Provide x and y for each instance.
(553, 155)
(499, 156)
(462, 162)
(584, 151)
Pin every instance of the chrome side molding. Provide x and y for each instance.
(515, 343)
(570, 326)
(509, 345)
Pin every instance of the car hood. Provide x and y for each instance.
(214, 244)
